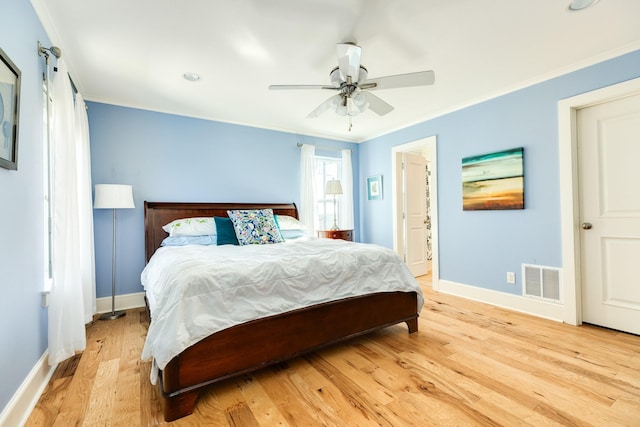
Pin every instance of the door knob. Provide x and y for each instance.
(586, 225)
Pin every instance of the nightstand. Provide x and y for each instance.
(336, 234)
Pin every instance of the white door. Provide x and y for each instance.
(609, 182)
(415, 208)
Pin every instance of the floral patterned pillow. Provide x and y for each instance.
(255, 227)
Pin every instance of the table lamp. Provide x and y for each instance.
(334, 187)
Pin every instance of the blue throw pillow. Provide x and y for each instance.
(225, 231)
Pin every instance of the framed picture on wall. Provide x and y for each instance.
(493, 181)
(9, 109)
(374, 187)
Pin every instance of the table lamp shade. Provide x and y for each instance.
(113, 196)
(333, 187)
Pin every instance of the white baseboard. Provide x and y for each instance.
(24, 400)
(122, 302)
(522, 304)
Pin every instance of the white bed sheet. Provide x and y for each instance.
(195, 291)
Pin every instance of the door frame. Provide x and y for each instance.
(569, 196)
(429, 144)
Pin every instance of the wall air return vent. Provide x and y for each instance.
(541, 282)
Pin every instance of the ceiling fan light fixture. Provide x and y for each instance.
(192, 77)
(362, 76)
(361, 102)
(334, 77)
(576, 5)
(341, 110)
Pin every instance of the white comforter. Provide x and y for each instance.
(194, 291)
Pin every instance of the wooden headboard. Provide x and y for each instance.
(157, 214)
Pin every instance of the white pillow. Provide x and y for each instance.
(191, 227)
(286, 222)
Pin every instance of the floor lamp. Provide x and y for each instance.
(334, 187)
(113, 196)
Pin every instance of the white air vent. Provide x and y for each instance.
(541, 282)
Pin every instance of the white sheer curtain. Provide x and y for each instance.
(307, 197)
(72, 259)
(85, 209)
(346, 207)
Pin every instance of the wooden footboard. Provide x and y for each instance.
(277, 338)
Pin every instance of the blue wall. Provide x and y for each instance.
(173, 158)
(23, 322)
(478, 247)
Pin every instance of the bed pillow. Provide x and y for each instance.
(286, 222)
(226, 234)
(191, 227)
(208, 240)
(290, 227)
(255, 226)
(292, 234)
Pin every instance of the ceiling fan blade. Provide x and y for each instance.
(324, 106)
(297, 87)
(421, 78)
(349, 60)
(377, 105)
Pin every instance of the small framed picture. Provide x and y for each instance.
(9, 109)
(374, 187)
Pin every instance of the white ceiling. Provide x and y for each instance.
(134, 53)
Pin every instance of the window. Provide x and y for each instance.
(326, 169)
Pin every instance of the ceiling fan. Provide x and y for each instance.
(350, 80)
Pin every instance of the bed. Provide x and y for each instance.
(300, 330)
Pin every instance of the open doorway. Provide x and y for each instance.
(415, 219)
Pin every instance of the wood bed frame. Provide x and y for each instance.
(269, 340)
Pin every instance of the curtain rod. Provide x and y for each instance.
(57, 52)
(300, 144)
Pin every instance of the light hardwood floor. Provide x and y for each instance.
(469, 364)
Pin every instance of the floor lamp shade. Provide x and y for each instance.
(113, 196)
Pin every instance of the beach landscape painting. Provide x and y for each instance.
(493, 181)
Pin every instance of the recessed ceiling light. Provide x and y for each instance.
(192, 77)
(581, 4)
